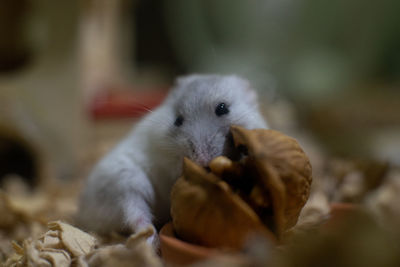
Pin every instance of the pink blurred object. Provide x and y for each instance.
(340, 213)
(123, 104)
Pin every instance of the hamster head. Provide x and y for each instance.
(204, 107)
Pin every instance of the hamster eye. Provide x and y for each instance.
(179, 121)
(221, 109)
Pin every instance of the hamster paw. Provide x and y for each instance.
(148, 232)
(154, 241)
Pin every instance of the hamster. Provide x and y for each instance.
(129, 189)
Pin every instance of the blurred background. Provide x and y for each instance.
(75, 75)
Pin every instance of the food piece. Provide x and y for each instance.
(223, 165)
(262, 193)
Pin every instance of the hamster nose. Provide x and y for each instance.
(202, 161)
(192, 148)
(200, 155)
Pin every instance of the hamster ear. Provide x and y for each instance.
(180, 83)
(251, 94)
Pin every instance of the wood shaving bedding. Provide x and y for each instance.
(64, 245)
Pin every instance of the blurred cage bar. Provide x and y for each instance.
(130, 68)
(14, 49)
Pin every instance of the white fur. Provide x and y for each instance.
(129, 188)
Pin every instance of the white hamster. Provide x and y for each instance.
(129, 189)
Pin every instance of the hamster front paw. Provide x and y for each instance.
(146, 235)
(154, 241)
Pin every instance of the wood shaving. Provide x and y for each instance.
(135, 252)
(315, 211)
(57, 247)
(56, 257)
(74, 240)
(384, 203)
(27, 239)
(65, 244)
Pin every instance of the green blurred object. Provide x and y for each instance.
(307, 49)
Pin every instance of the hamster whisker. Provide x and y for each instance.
(160, 122)
(147, 109)
(248, 113)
